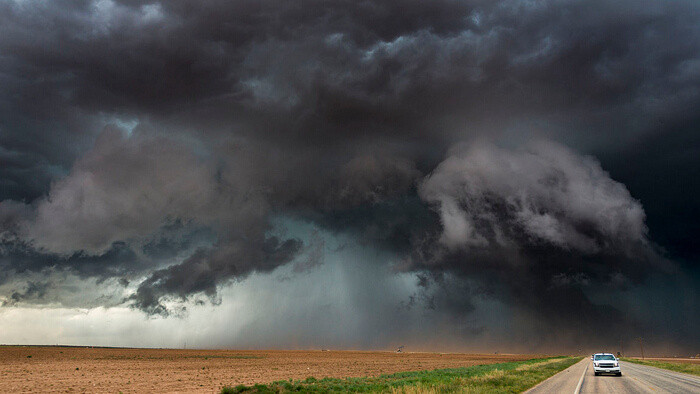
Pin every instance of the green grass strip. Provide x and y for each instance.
(511, 377)
(693, 369)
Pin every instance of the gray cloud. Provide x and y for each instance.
(539, 227)
(133, 193)
(546, 194)
(123, 189)
(34, 290)
(206, 269)
(163, 143)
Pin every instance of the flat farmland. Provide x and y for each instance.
(84, 369)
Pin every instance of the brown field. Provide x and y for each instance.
(78, 369)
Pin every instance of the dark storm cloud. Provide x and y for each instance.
(33, 290)
(205, 269)
(668, 200)
(402, 70)
(133, 193)
(546, 194)
(168, 138)
(19, 258)
(538, 228)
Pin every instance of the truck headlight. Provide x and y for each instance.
(595, 364)
(616, 364)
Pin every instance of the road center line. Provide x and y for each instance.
(580, 381)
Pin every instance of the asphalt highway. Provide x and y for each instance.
(579, 378)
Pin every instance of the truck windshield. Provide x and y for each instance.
(605, 357)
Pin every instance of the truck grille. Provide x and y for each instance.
(606, 365)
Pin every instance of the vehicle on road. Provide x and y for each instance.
(606, 363)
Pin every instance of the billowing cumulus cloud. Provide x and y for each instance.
(122, 189)
(539, 227)
(535, 158)
(545, 194)
(129, 190)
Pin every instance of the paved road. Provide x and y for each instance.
(635, 379)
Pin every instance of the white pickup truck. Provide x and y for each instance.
(606, 363)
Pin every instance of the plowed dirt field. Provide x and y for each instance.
(77, 369)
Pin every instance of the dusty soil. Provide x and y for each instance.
(77, 369)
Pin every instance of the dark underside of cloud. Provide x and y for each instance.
(540, 154)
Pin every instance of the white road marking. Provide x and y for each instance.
(580, 381)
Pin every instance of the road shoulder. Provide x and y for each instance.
(566, 381)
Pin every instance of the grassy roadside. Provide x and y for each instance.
(512, 377)
(693, 369)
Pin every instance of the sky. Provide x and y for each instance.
(496, 176)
